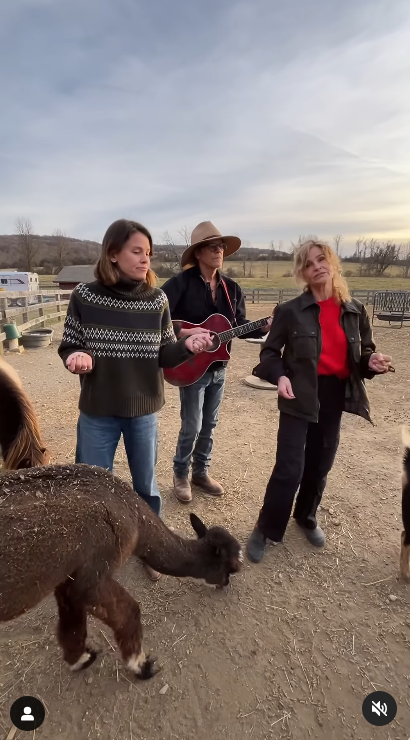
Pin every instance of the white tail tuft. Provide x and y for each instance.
(405, 436)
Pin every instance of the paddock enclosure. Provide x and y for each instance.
(297, 643)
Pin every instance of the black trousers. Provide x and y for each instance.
(305, 454)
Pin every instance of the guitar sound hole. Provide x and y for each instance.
(215, 343)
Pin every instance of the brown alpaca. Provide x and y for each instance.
(67, 529)
(20, 436)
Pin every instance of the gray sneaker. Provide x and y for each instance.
(255, 547)
(315, 536)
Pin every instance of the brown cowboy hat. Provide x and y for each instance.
(203, 233)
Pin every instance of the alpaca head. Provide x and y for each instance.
(223, 555)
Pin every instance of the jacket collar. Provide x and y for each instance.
(196, 271)
(307, 299)
(350, 307)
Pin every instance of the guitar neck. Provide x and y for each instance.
(238, 331)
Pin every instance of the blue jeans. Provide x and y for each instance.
(97, 441)
(200, 404)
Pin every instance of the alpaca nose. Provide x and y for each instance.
(224, 586)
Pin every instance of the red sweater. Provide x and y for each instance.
(333, 359)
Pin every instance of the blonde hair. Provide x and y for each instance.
(115, 237)
(301, 256)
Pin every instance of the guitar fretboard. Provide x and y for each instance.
(237, 331)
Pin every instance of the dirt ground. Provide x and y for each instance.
(295, 645)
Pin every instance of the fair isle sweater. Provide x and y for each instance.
(128, 333)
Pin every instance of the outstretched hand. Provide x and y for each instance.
(79, 363)
(379, 363)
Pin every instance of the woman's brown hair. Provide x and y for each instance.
(340, 289)
(115, 237)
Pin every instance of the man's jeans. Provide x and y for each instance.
(200, 404)
(97, 441)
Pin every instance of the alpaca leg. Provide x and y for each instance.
(116, 608)
(405, 556)
(72, 627)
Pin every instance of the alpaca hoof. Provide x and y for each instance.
(93, 655)
(87, 659)
(148, 669)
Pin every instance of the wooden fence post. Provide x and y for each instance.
(58, 298)
(3, 308)
(41, 309)
(25, 312)
(3, 317)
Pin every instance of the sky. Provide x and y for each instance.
(271, 119)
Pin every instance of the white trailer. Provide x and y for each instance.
(19, 282)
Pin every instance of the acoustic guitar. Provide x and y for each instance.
(222, 332)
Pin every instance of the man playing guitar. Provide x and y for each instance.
(194, 295)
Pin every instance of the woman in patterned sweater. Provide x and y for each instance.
(117, 336)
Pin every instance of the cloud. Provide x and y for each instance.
(271, 120)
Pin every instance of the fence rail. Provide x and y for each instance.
(28, 310)
(279, 295)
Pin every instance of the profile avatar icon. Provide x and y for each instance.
(27, 713)
(27, 716)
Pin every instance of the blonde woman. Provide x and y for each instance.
(319, 351)
(117, 336)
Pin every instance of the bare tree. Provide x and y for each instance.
(337, 239)
(61, 248)
(270, 255)
(381, 256)
(358, 248)
(26, 242)
(304, 238)
(173, 257)
(405, 259)
(185, 233)
(247, 257)
(360, 254)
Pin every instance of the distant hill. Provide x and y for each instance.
(49, 254)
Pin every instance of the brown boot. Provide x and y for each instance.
(207, 484)
(182, 490)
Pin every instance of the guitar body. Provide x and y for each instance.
(193, 369)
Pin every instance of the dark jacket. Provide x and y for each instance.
(190, 299)
(296, 330)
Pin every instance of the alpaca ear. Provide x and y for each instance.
(198, 525)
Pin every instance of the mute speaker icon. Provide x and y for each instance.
(379, 708)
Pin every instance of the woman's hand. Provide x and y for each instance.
(190, 332)
(79, 363)
(199, 342)
(285, 387)
(379, 363)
